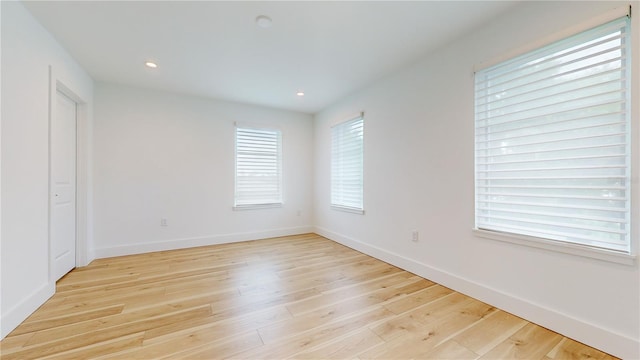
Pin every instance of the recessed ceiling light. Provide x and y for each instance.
(151, 64)
(263, 21)
(300, 93)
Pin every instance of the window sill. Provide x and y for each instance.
(348, 209)
(256, 206)
(567, 248)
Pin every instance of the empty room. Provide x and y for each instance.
(320, 180)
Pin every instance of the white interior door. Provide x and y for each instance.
(63, 185)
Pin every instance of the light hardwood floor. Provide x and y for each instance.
(301, 297)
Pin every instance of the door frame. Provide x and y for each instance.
(82, 169)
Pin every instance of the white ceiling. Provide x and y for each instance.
(214, 49)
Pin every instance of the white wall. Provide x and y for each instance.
(419, 171)
(162, 155)
(27, 52)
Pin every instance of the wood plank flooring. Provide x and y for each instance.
(302, 297)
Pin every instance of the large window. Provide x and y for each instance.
(258, 167)
(347, 159)
(552, 149)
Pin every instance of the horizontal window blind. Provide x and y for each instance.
(553, 141)
(347, 160)
(258, 167)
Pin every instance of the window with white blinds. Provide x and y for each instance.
(347, 161)
(552, 148)
(258, 167)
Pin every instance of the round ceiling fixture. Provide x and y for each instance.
(151, 64)
(263, 21)
(300, 93)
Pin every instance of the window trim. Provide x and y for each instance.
(576, 249)
(256, 206)
(348, 209)
(558, 246)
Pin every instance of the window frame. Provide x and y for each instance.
(258, 205)
(631, 88)
(344, 206)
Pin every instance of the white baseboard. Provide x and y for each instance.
(91, 255)
(606, 340)
(15, 316)
(173, 244)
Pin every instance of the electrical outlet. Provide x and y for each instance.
(415, 236)
(163, 222)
